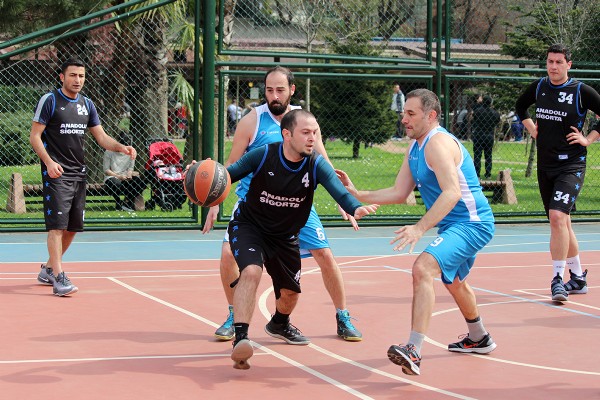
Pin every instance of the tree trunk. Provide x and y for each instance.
(355, 148)
(531, 159)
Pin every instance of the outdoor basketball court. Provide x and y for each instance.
(142, 324)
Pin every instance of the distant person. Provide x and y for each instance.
(58, 136)
(397, 106)
(120, 178)
(483, 131)
(561, 104)
(234, 114)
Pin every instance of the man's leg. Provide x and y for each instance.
(244, 301)
(312, 237)
(478, 339)
(58, 243)
(229, 273)
(279, 326)
(424, 271)
(332, 276)
(477, 150)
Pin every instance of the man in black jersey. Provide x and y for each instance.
(264, 229)
(561, 104)
(57, 136)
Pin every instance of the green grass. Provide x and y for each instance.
(375, 168)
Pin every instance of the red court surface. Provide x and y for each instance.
(144, 330)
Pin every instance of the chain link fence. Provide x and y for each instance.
(346, 56)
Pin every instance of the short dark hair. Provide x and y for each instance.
(278, 68)
(487, 100)
(560, 48)
(70, 62)
(429, 101)
(289, 119)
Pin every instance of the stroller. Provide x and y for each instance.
(164, 173)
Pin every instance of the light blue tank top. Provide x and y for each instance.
(473, 206)
(268, 130)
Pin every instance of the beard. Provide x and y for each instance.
(278, 108)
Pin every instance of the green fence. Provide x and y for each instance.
(346, 56)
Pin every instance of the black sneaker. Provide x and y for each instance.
(484, 346)
(559, 293)
(242, 351)
(345, 329)
(226, 331)
(46, 276)
(63, 286)
(407, 357)
(287, 332)
(577, 284)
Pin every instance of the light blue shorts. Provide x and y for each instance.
(312, 235)
(456, 247)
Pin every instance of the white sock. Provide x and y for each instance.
(575, 265)
(559, 268)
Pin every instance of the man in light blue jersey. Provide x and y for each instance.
(443, 172)
(259, 127)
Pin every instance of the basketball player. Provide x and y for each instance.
(561, 104)
(264, 228)
(259, 127)
(443, 171)
(57, 136)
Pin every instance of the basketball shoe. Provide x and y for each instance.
(46, 275)
(345, 329)
(226, 331)
(577, 284)
(242, 351)
(559, 293)
(484, 346)
(62, 285)
(286, 332)
(407, 357)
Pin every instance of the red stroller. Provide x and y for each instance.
(164, 173)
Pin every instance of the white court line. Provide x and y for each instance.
(566, 303)
(309, 370)
(94, 359)
(262, 305)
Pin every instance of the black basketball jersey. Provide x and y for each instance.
(557, 108)
(281, 193)
(66, 121)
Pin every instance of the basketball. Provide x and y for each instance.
(207, 183)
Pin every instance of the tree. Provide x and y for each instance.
(571, 22)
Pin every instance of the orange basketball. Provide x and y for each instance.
(207, 183)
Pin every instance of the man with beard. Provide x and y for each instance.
(259, 127)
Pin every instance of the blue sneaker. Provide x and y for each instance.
(577, 284)
(226, 331)
(345, 329)
(62, 286)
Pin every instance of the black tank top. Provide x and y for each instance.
(557, 108)
(281, 193)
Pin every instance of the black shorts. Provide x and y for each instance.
(64, 204)
(559, 189)
(280, 256)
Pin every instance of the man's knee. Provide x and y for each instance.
(324, 258)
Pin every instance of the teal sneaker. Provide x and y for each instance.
(345, 329)
(226, 331)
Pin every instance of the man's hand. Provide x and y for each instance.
(55, 170)
(577, 137)
(130, 151)
(211, 217)
(345, 179)
(406, 235)
(347, 217)
(365, 210)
